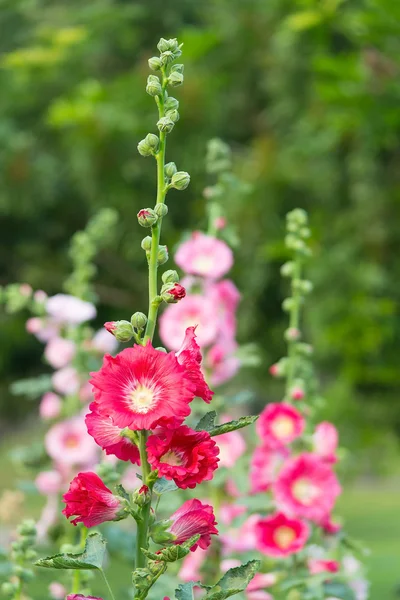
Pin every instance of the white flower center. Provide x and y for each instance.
(305, 491)
(282, 427)
(142, 399)
(172, 458)
(203, 263)
(284, 536)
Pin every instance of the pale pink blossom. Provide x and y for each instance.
(103, 341)
(231, 447)
(325, 441)
(59, 352)
(191, 565)
(42, 329)
(241, 539)
(48, 482)
(228, 512)
(48, 517)
(222, 362)
(50, 406)
(229, 563)
(68, 443)
(64, 308)
(256, 588)
(316, 566)
(204, 255)
(57, 590)
(192, 311)
(40, 296)
(25, 290)
(66, 381)
(232, 489)
(264, 467)
(85, 393)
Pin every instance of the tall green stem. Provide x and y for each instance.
(143, 525)
(294, 323)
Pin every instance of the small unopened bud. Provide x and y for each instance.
(149, 145)
(165, 124)
(146, 243)
(147, 217)
(121, 330)
(173, 115)
(274, 370)
(27, 527)
(171, 294)
(142, 496)
(167, 57)
(297, 393)
(171, 44)
(298, 216)
(162, 255)
(138, 321)
(9, 589)
(160, 534)
(170, 276)
(219, 223)
(171, 104)
(153, 87)
(287, 269)
(155, 63)
(304, 349)
(175, 79)
(288, 304)
(180, 180)
(161, 210)
(170, 169)
(292, 334)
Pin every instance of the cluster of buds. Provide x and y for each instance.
(22, 554)
(124, 331)
(171, 292)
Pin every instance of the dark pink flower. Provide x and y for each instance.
(189, 356)
(186, 456)
(141, 387)
(110, 437)
(306, 487)
(280, 536)
(279, 424)
(316, 566)
(193, 518)
(90, 501)
(80, 597)
(110, 326)
(177, 291)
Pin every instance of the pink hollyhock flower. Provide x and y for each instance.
(219, 223)
(85, 393)
(130, 479)
(48, 482)
(231, 447)
(316, 566)
(306, 487)
(42, 329)
(225, 297)
(59, 352)
(90, 501)
(256, 588)
(189, 356)
(66, 381)
(68, 309)
(57, 590)
(264, 467)
(110, 437)
(280, 536)
(232, 489)
(204, 255)
(186, 456)
(328, 525)
(104, 342)
(241, 539)
(141, 387)
(192, 311)
(297, 393)
(80, 597)
(325, 441)
(222, 362)
(40, 296)
(68, 443)
(228, 512)
(191, 565)
(279, 424)
(229, 563)
(49, 517)
(50, 406)
(193, 518)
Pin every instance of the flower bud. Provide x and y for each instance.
(165, 124)
(180, 180)
(147, 217)
(155, 63)
(288, 304)
(162, 349)
(170, 169)
(153, 87)
(173, 115)
(171, 104)
(171, 44)
(170, 276)
(149, 145)
(162, 255)
(297, 392)
(177, 68)
(121, 330)
(287, 269)
(175, 79)
(171, 294)
(298, 216)
(161, 210)
(27, 527)
(292, 334)
(142, 496)
(146, 243)
(304, 349)
(160, 534)
(167, 57)
(138, 321)
(9, 589)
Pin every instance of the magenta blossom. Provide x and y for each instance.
(193, 518)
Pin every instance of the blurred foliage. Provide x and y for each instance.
(306, 92)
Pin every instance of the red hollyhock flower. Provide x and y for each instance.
(186, 456)
(189, 356)
(279, 536)
(279, 424)
(306, 487)
(177, 291)
(91, 501)
(192, 518)
(142, 387)
(110, 437)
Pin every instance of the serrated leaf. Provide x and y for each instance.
(234, 581)
(121, 491)
(207, 422)
(162, 486)
(233, 425)
(91, 558)
(184, 591)
(337, 589)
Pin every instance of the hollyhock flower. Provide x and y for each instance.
(231, 447)
(191, 565)
(142, 386)
(59, 352)
(279, 424)
(189, 356)
(66, 381)
(85, 393)
(222, 362)
(48, 482)
(325, 440)
(68, 309)
(229, 563)
(57, 590)
(256, 588)
(40, 296)
(104, 342)
(193, 518)
(50, 406)
(42, 329)
(280, 536)
(232, 489)
(241, 539)
(328, 525)
(80, 597)
(110, 437)
(225, 297)
(297, 393)
(194, 310)
(68, 443)
(228, 512)
(48, 518)
(90, 501)
(204, 255)
(177, 291)
(186, 456)
(306, 487)
(316, 566)
(264, 467)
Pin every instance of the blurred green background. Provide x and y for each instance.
(306, 92)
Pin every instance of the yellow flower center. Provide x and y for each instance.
(71, 441)
(284, 536)
(203, 263)
(142, 399)
(172, 458)
(282, 427)
(305, 491)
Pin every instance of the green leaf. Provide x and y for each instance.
(121, 491)
(234, 581)
(207, 422)
(303, 20)
(162, 486)
(340, 590)
(184, 591)
(233, 425)
(91, 558)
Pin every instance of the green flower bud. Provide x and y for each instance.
(146, 243)
(154, 63)
(177, 68)
(298, 216)
(9, 589)
(305, 232)
(165, 124)
(162, 255)
(173, 115)
(161, 210)
(170, 276)
(288, 304)
(171, 104)
(287, 269)
(292, 334)
(161, 349)
(160, 534)
(153, 87)
(138, 321)
(304, 349)
(141, 496)
(27, 527)
(121, 330)
(175, 79)
(170, 169)
(149, 145)
(171, 293)
(167, 57)
(171, 44)
(180, 180)
(147, 217)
